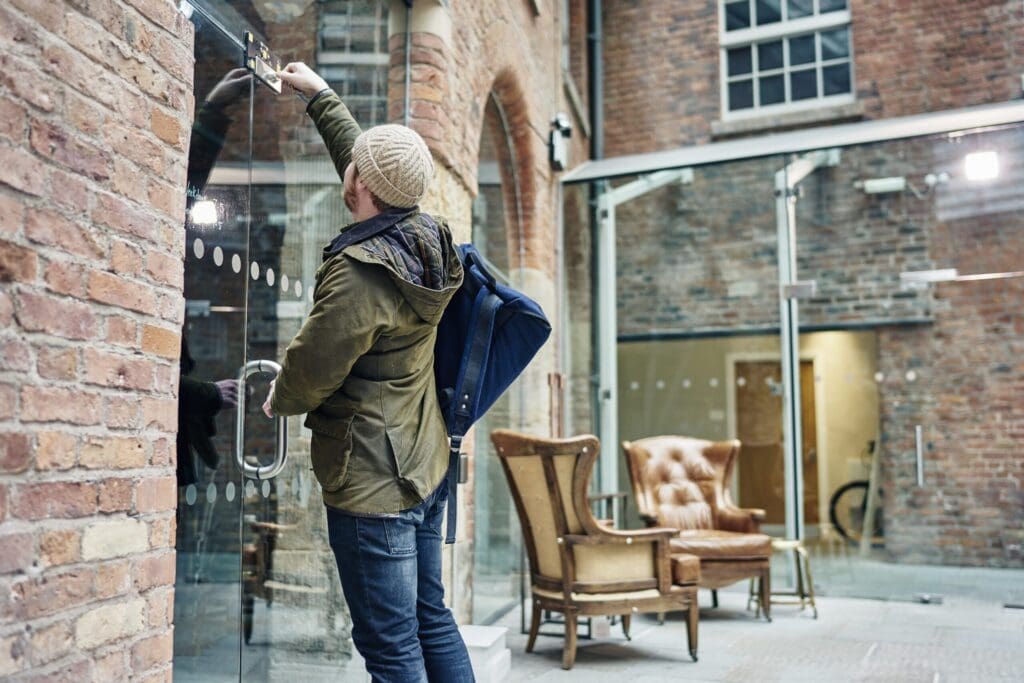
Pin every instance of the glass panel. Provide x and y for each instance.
(801, 50)
(768, 12)
(741, 95)
(831, 5)
(207, 582)
(921, 363)
(773, 90)
(835, 44)
(803, 84)
(737, 15)
(739, 61)
(769, 55)
(799, 8)
(836, 79)
(497, 550)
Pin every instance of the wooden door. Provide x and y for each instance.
(759, 428)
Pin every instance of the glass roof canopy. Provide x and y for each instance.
(842, 135)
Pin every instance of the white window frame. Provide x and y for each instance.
(327, 58)
(786, 28)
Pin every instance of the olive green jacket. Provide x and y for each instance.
(362, 366)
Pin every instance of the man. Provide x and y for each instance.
(361, 368)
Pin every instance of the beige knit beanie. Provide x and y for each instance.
(395, 164)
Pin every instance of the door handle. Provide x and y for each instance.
(281, 452)
(919, 453)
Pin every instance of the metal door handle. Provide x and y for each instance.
(281, 455)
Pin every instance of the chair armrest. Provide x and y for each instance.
(624, 536)
(744, 520)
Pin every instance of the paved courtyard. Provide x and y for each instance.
(962, 639)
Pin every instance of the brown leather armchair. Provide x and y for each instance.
(577, 566)
(680, 482)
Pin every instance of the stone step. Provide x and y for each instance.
(492, 660)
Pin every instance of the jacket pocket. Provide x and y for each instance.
(330, 456)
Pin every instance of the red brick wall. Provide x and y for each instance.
(662, 87)
(95, 99)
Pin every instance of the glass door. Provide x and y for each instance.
(915, 327)
(257, 593)
(207, 606)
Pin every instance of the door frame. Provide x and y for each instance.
(820, 445)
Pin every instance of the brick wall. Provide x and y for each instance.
(909, 58)
(95, 100)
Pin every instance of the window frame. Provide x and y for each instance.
(782, 30)
(325, 58)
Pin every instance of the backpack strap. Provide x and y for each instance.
(485, 308)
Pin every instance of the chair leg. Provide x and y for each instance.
(766, 593)
(661, 618)
(569, 650)
(692, 618)
(535, 615)
(808, 580)
(625, 625)
(714, 598)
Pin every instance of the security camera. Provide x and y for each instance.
(562, 124)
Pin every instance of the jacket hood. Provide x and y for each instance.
(420, 257)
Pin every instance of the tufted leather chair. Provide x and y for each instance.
(681, 482)
(577, 566)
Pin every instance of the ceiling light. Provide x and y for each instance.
(981, 165)
(204, 212)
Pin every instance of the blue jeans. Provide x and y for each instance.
(390, 571)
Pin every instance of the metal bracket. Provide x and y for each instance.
(801, 289)
(263, 63)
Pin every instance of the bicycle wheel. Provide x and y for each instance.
(846, 509)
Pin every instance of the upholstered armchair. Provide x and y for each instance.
(682, 483)
(577, 566)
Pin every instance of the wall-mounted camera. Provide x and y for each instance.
(561, 130)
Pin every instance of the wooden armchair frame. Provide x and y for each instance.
(561, 574)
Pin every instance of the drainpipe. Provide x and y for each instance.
(408, 58)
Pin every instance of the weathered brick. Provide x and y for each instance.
(165, 127)
(52, 229)
(160, 413)
(12, 214)
(161, 532)
(165, 269)
(64, 148)
(160, 606)
(60, 547)
(163, 452)
(116, 495)
(25, 81)
(125, 257)
(12, 655)
(15, 355)
(60, 317)
(123, 413)
(51, 404)
(8, 400)
(116, 370)
(154, 571)
(113, 452)
(52, 593)
(17, 264)
(112, 579)
(114, 538)
(55, 450)
(22, 171)
(109, 623)
(152, 652)
(70, 192)
(122, 331)
(110, 289)
(52, 643)
(17, 552)
(119, 214)
(57, 362)
(156, 494)
(67, 278)
(12, 120)
(112, 667)
(161, 341)
(63, 500)
(15, 452)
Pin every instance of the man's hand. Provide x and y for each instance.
(228, 390)
(234, 84)
(266, 404)
(302, 78)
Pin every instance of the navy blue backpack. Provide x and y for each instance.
(488, 334)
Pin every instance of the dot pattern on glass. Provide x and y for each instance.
(254, 270)
(879, 377)
(686, 384)
(236, 263)
(741, 381)
(218, 257)
(298, 289)
(911, 376)
(211, 492)
(265, 489)
(633, 386)
(660, 384)
(270, 277)
(284, 282)
(713, 382)
(198, 248)
(190, 494)
(250, 489)
(229, 491)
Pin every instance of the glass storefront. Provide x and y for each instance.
(851, 315)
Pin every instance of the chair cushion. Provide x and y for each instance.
(726, 545)
(685, 569)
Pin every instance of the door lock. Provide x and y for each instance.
(263, 63)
